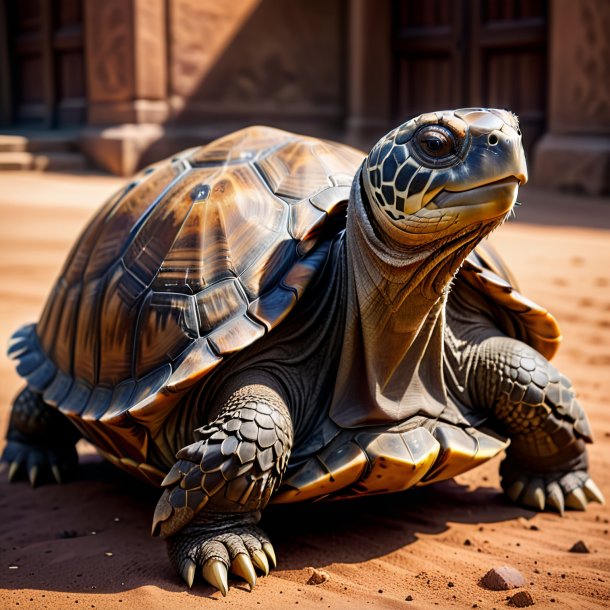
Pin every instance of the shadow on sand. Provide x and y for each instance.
(92, 535)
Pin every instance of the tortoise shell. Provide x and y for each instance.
(197, 258)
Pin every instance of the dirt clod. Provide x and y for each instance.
(318, 577)
(503, 578)
(579, 547)
(522, 599)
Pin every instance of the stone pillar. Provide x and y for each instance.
(575, 152)
(126, 69)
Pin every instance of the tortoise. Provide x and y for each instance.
(278, 318)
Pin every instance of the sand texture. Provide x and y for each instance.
(86, 544)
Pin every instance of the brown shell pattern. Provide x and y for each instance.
(197, 258)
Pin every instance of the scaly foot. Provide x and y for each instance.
(40, 463)
(218, 543)
(573, 489)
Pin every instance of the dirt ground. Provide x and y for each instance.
(87, 543)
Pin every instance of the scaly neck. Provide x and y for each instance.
(391, 359)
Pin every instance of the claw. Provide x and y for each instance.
(268, 548)
(242, 566)
(215, 572)
(592, 492)
(554, 498)
(33, 475)
(260, 561)
(514, 491)
(534, 495)
(188, 572)
(576, 499)
(12, 471)
(56, 473)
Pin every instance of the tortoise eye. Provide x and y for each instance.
(436, 141)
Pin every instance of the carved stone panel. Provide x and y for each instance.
(109, 50)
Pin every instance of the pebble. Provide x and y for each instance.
(579, 547)
(503, 578)
(318, 577)
(409, 598)
(108, 554)
(522, 599)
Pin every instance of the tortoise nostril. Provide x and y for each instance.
(492, 140)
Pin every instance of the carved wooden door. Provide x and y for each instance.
(451, 53)
(43, 74)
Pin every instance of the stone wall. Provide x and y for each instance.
(575, 153)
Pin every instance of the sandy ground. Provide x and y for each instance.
(87, 544)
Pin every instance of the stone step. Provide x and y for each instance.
(43, 141)
(9, 143)
(48, 161)
(10, 161)
(60, 161)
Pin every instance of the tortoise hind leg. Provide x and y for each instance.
(546, 463)
(40, 441)
(217, 488)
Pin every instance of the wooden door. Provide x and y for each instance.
(44, 71)
(490, 53)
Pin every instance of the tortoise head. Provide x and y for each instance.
(443, 172)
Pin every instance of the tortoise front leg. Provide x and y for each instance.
(40, 441)
(219, 485)
(534, 404)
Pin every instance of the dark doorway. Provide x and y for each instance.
(456, 53)
(42, 75)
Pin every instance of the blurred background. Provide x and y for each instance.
(117, 84)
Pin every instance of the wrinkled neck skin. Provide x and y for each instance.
(391, 360)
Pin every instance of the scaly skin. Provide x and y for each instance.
(528, 400)
(219, 484)
(40, 441)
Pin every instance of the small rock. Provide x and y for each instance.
(503, 578)
(318, 577)
(534, 528)
(579, 547)
(108, 554)
(13, 567)
(522, 599)
(409, 598)
(467, 542)
(450, 584)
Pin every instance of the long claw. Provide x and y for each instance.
(188, 572)
(242, 566)
(268, 548)
(576, 499)
(260, 561)
(592, 492)
(12, 471)
(554, 498)
(56, 473)
(33, 475)
(534, 495)
(514, 491)
(215, 572)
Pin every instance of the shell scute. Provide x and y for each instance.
(195, 259)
